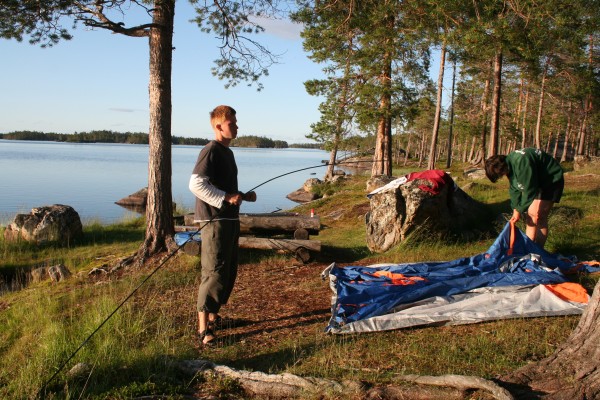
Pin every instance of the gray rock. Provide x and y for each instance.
(55, 223)
(301, 196)
(58, 273)
(310, 183)
(406, 211)
(474, 173)
(137, 199)
(79, 371)
(305, 194)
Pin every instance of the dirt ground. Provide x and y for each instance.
(276, 301)
(282, 297)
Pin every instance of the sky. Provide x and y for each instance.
(99, 81)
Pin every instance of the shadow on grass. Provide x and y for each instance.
(277, 360)
(280, 359)
(14, 277)
(342, 254)
(274, 324)
(327, 254)
(119, 233)
(145, 377)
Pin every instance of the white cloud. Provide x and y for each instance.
(281, 28)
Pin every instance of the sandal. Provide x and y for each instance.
(204, 334)
(216, 323)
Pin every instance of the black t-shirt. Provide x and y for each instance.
(217, 163)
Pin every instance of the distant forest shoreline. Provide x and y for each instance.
(104, 136)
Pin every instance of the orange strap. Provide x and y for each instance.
(570, 291)
(511, 240)
(398, 279)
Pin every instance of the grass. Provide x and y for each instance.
(278, 310)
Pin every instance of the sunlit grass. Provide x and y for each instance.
(134, 353)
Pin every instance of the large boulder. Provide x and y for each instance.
(56, 223)
(421, 208)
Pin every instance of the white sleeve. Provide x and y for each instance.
(201, 187)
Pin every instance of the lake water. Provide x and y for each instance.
(91, 177)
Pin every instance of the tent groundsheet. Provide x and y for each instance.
(514, 278)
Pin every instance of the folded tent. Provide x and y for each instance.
(514, 278)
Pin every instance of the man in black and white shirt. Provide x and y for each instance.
(214, 183)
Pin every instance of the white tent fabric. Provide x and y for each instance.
(478, 305)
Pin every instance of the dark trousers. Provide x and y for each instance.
(219, 259)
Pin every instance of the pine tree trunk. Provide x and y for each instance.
(159, 208)
(588, 101)
(472, 151)
(548, 141)
(517, 118)
(484, 108)
(408, 149)
(422, 149)
(379, 155)
(524, 125)
(382, 159)
(573, 371)
(332, 158)
(538, 125)
(450, 137)
(565, 151)
(495, 124)
(438, 110)
(582, 135)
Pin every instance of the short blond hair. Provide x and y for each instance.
(220, 114)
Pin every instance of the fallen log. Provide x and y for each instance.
(302, 248)
(247, 242)
(272, 222)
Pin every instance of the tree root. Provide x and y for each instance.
(292, 386)
(461, 382)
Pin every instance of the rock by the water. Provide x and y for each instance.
(135, 200)
(305, 194)
(301, 196)
(56, 223)
(310, 183)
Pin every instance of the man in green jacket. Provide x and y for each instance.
(536, 183)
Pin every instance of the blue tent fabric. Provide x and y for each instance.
(183, 237)
(364, 292)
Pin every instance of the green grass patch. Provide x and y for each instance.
(281, 309)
